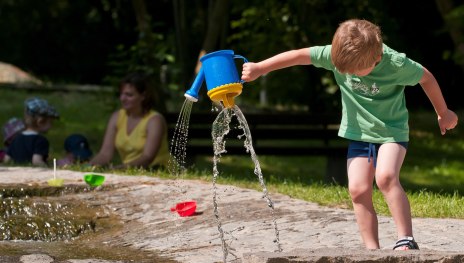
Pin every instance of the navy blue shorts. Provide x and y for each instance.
(367, 149)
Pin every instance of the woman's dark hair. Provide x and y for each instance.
(141, 82)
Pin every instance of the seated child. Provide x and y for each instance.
(77, 150)
(30, 146)
(10, 129)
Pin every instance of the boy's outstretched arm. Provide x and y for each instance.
(447, 119)
(252, 71)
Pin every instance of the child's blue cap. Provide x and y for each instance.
(79, 146)
(37, 106)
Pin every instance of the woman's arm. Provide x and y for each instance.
(447, 119)
(105, 155)
(252, 71)
(6, 159)
(38, 160)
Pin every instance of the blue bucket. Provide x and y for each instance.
(219, 70)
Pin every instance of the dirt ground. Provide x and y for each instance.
(307, 232)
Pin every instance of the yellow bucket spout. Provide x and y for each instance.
(226, 93)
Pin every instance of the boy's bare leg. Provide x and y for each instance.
(389, 162)
(360, 184)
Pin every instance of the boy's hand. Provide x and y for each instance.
(250, 71)
(447, 121)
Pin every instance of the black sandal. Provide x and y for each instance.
(406, 242)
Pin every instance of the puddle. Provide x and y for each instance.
(56, 221)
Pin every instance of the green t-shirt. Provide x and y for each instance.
(374, 106)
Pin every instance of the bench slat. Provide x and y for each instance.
(262, 118)
(260, 134)
(240, 150)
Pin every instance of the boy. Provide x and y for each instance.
(372, 78)
(31, 146)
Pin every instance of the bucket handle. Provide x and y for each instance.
(244, 61)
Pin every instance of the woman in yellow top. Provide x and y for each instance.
(136, 131)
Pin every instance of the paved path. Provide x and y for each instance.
(306, 229)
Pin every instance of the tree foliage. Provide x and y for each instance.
(79, 41)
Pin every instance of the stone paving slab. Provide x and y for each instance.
(342, 255)
(306, 229)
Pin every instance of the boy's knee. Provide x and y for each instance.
(385, 180)
(358, 193)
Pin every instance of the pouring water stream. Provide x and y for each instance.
(221, 128)
(220, 74)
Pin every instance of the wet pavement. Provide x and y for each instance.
(307, 232)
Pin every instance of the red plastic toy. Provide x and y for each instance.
(185, 208)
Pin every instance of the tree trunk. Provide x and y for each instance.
(143, 19)
(217, 23)
(146, 37)
(181, 39)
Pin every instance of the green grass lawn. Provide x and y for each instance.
(432, 175)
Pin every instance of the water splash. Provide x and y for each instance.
(221, 127)
(219, 130)
(27, 219)
(29, 213)
(178, 150)
(177, 165)
(249, 148)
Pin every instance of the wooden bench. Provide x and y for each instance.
(286, 134)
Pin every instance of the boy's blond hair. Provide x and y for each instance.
(356, 45)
